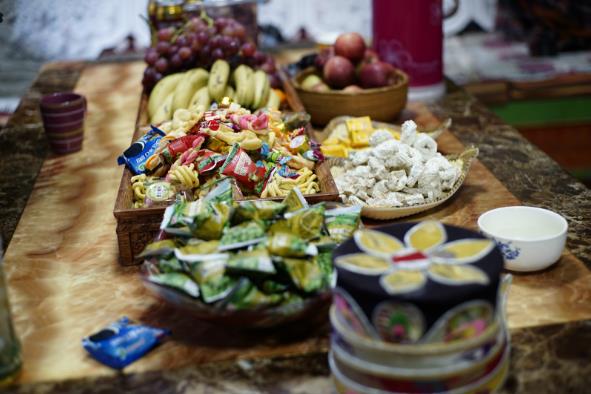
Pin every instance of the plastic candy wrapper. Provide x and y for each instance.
(214, 284)
(240, 166)
(122, 343)
(208, 161)
(137, 154)
(159, 248)
(256, 262)
(295, 200)
(306, 275)
(307, 223)
(288, 245)
(159, 192)
(241, 235)
(341, 223)
(178, 281)
(248, 296)
(258, 209)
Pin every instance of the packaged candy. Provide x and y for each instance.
(248, 296)
(299, 144)
(208, 161)
(269, 286)
(181, 145)
(325, 244)
(158, 248)
(307, 223)
(241, 235)
(159, 192)
(324, 262)
(220, 191)
(305, 275)
(199, 247)
(289, 245)
(341, 223)
(210, 221)
(171, 264)
(176, 218)
(296, 120)
(137, 154)
(178, 281)
(273, 156)
(240, 166)
(213, 283)
(255, 262)
(295, 200)
(258, 209)
(122, 343)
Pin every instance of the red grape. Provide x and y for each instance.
(269, 66)
(181, 41)
(151, 56)
(195, 24)
(173, 49)
(163, 47)
(248, 49)
(165, 34)
(161, 65)
(239, 31)
(176, 61)
(260, 58)
(217, 53)
(216, 42)
(184, 53)
(232, 47)
(158, 76)
(203, 37)
(220, 24)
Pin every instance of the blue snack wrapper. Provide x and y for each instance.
(137, 154)
(122, 343)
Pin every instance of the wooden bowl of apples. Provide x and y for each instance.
(349, 79)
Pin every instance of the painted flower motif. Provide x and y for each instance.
(405, 266)
(508, 250)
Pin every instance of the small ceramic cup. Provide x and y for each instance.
(530, 238)
(63, 119)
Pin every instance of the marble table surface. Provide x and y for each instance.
(552, 355)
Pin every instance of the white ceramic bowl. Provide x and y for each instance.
(530, 238)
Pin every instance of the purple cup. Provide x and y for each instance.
(63, 119)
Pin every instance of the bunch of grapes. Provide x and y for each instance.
(200, 42)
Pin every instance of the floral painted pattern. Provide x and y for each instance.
(406, 265)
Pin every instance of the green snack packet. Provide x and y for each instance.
(325, 244)
(158, 248)
(324, 262)
(270, 286)
(288, 245)
(211, 219)
(177, 218)
(198, 246)
(341, 223)
(198, 257)
(248, 296)
(245, 234)
(307, 223)
(295, 200)
(178, 281)
(214, 284)
(220, 192)
(171, 264)
(305, 274)
(261, 210)
(255, 262)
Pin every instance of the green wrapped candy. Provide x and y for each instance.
(294, 201)
(324, 262)
(220, 192)
(255, 262)
(305, 275)
(259, 210)
(199, 247)
(307, 223)
(341, 223)
(177, 218)
(171, 264)
(215, 285)
(248, 296)
(270, 286)
(159, 248)
(210, 219)
(178, 281)
(288, 245)
(325, 244)
(244, 234)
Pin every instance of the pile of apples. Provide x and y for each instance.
(349, 65)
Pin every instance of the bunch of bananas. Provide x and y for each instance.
(197, 87)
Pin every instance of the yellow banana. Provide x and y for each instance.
(273, 101)
(201, 97)
(244, 82)
(218, 79)
(164, 112)
(188, 86)
(261, 89)
(161, 91)
(230, 92)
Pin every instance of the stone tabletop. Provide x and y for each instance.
(547, 358)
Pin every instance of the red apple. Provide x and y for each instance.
(323, 56)
(375, 75)
(339, 72)
(351, 46)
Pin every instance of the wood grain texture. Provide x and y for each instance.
(65, 282)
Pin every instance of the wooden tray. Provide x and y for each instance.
(138, 226)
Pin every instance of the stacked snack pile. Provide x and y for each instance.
(268, 153)
(390, 172)
(233, 255)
